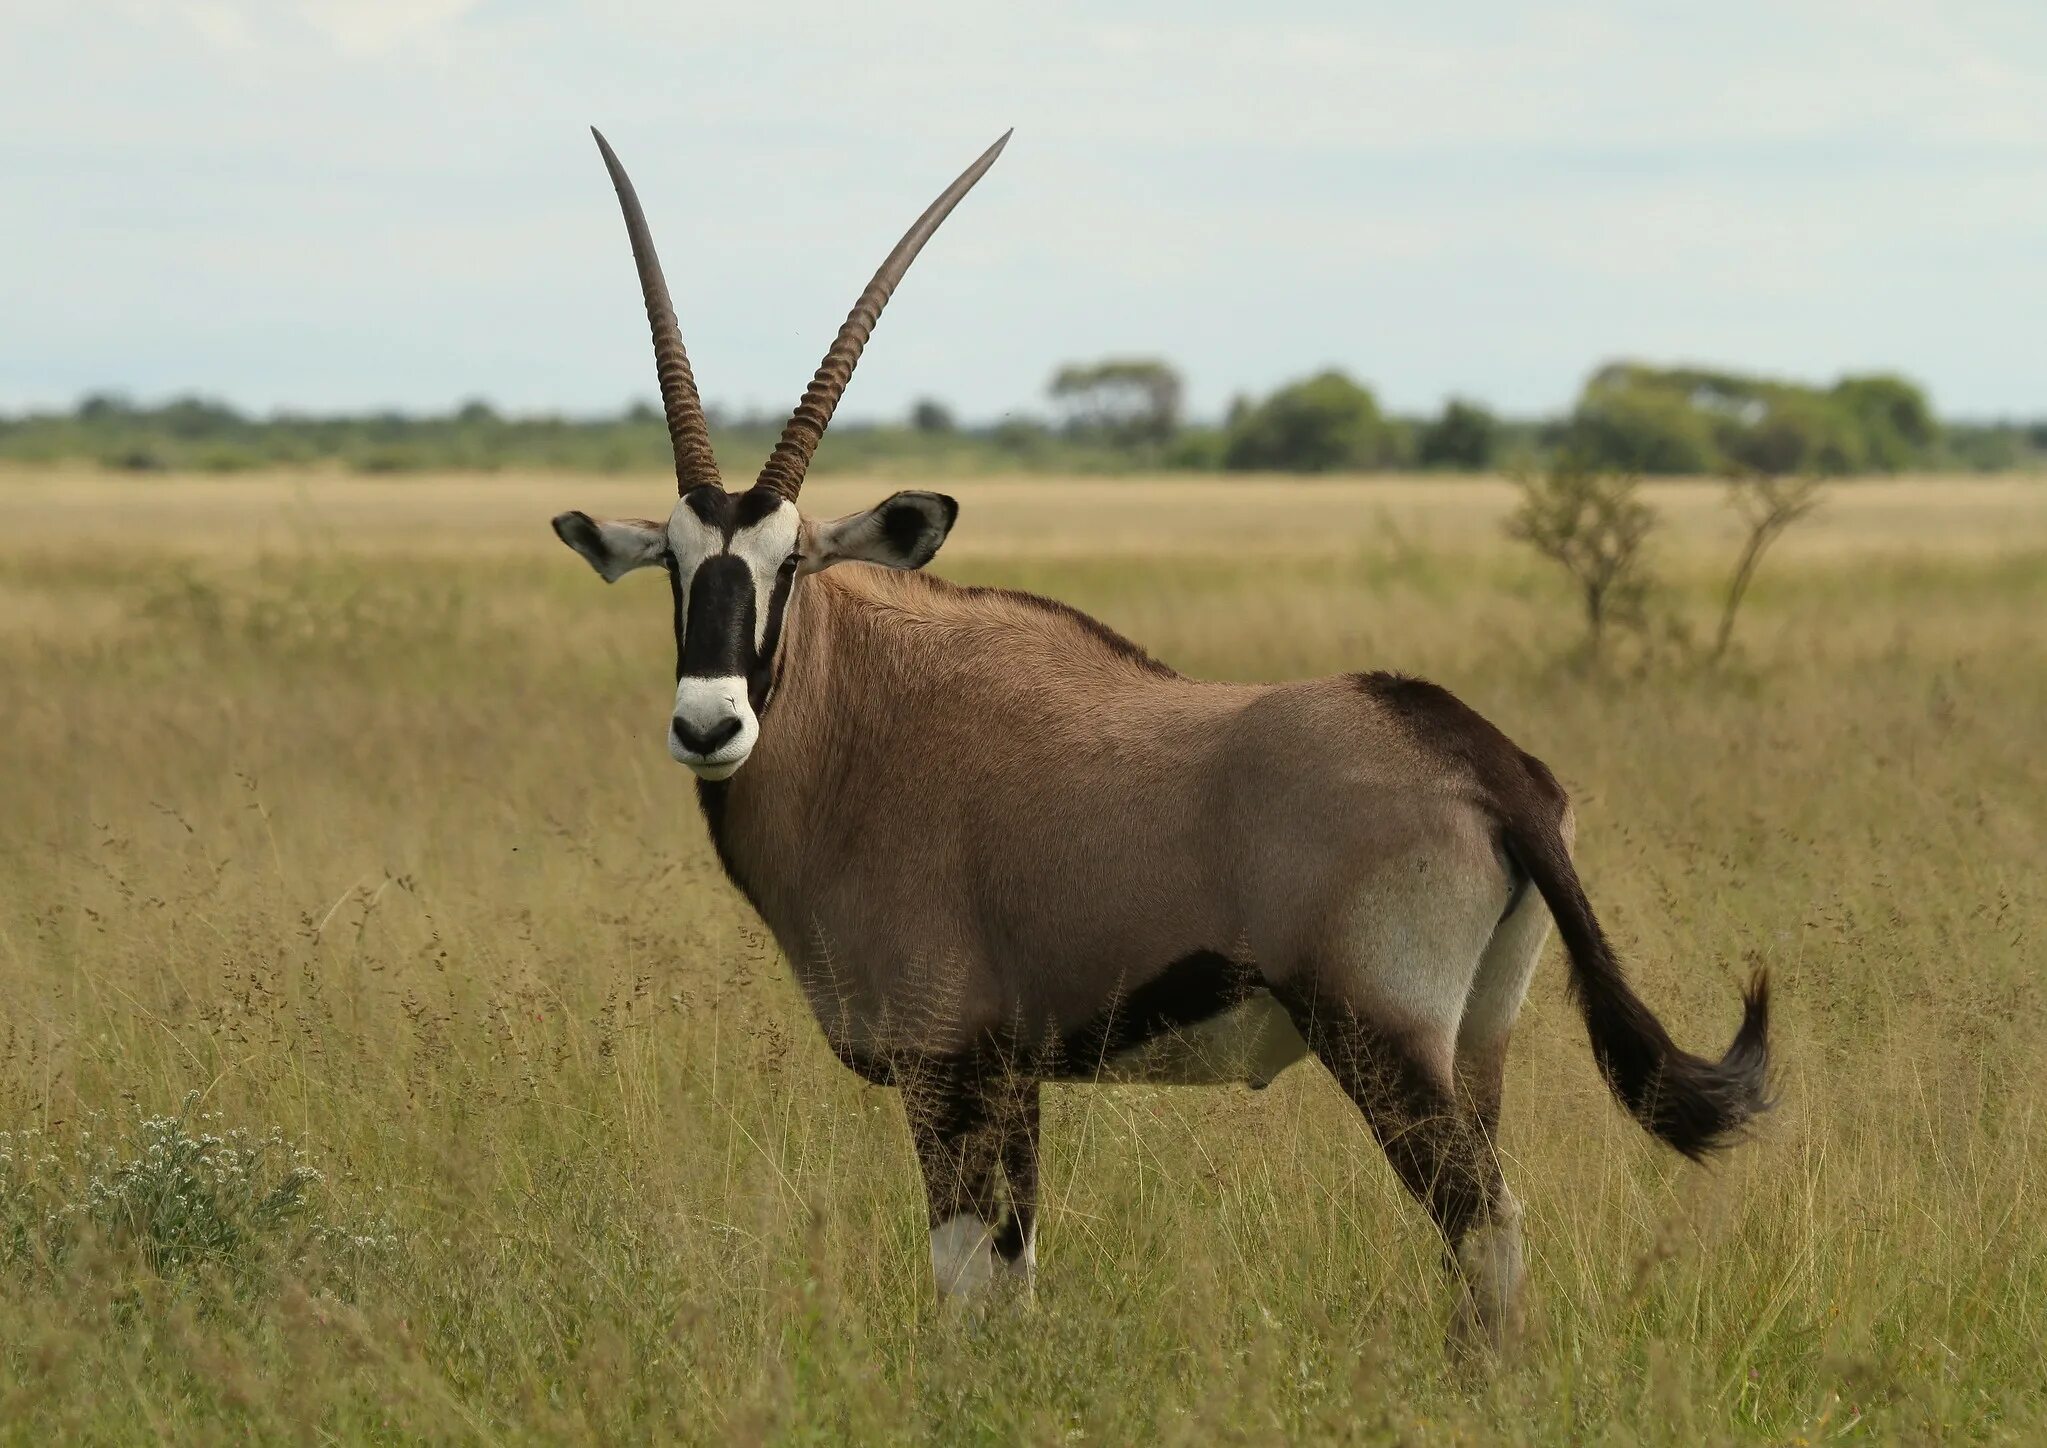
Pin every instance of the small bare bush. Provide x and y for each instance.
(1768, 506)
(1591, 523)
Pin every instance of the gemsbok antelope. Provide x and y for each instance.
(1002, 845)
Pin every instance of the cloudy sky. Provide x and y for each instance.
(334, 204)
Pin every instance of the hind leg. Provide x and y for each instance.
(1490, 1254)
(1402, 1082)
(1382, 1009)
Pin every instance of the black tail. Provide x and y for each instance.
(1687, 1101)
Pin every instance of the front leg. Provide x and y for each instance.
(968, 1124)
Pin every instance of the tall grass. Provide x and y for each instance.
(373, 846)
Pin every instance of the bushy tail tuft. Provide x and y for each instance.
(1695, 1105)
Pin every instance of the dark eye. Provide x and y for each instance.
(789, 563)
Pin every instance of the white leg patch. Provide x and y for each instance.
(963, 1256)
(1490, 1259)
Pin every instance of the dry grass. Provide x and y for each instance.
(342, 804)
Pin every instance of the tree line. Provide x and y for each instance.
(1112, 415)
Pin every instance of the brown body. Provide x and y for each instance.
(973, 817)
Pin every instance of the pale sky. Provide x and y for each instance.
(340, 204)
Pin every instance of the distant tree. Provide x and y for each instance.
(1324, 423)
(1896, 420)
(196, 417)
(928, 414)
(1198, 449)
(1798, 431)
(1985, 447)
(642, 413)
(477, 413)
(1633, 421)
(103, 407)
(1465, 437)
(1123, 400)
(1693, 419)
(1022, 438)
(1768, 506)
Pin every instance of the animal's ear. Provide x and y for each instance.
(903, 531)
(614, 546)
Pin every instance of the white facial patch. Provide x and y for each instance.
(766, 546)
(691, 540)
(962, 1256)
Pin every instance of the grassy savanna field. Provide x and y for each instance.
(338, 809)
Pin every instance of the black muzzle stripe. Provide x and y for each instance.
(716, 640)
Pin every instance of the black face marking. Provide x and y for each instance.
(760, 679)
(717, 636)
(729, 512)
(711, 505)
(675, 596)
(749, 507)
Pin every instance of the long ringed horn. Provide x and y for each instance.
(786, 465)
(688, 434)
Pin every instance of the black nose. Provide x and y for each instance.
(707, 741)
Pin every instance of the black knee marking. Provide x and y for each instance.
(956, 1143)
(971, 1121)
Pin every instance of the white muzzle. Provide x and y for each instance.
(713, 728)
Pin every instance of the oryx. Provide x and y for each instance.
(1002, 845)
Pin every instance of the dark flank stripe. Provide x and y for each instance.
(1193, 989)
